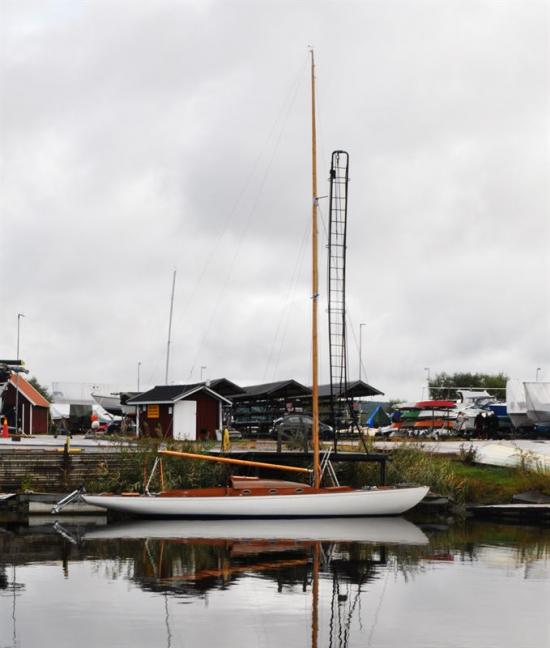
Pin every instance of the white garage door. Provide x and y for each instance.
(185, 421)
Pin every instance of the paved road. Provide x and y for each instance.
(500, 453)
(47, 441)
(453, 447)
(512, 452)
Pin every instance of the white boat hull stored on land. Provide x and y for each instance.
(382, 501)
(516, 405)
(537, 397)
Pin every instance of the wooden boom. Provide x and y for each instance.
(238, 462)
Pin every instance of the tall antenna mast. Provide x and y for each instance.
(337, 287)
(341, 403)
(315, 286)
(170, 329)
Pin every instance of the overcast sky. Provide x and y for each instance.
(142, 137)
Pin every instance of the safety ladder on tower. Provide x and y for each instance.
(341, 404)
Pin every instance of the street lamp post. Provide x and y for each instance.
(19, 316)
(138, 369)
(427, 370)
(361, 347)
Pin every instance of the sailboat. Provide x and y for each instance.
(252, 497)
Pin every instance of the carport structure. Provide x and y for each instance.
(255, 410)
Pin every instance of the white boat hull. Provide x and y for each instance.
(537, 396)
(393, 530)
(390, 501)
(520, 420)
(540, 416)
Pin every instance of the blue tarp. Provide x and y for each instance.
(378, 417)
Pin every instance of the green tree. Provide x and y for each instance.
(40, 388)
(444, 385)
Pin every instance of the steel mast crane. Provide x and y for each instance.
(337, 245)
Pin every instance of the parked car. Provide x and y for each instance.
(119, 426)
(114, 427)
(293, 425)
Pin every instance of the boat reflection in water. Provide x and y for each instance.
(189, 558)
(341, 582)
(392, 530)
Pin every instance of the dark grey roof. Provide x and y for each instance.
(280, 389)
(292, 388)
(355, 389)
(160, 393)
(125, 396)
(225, 387)
(171, 393)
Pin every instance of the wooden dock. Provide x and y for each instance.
(524, 513)
(51, 470)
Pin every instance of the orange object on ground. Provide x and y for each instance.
(433, 423)
(5, 432)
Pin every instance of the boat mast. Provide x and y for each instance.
(315, 286)
(170, 329)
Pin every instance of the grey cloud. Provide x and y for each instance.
(141, 137)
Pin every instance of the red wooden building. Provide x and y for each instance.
(180, 412)
(34, 409)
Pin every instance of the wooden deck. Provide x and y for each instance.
(50, 470)
(534, 513)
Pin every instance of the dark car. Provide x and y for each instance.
(120, 427)
(294, 425)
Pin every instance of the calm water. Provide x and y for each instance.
(360, 583)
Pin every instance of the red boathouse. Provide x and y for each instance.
(33, 408)
(179, 412)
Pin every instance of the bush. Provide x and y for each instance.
(136, 463)
(410, 464)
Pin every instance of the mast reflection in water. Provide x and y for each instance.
(334, 583)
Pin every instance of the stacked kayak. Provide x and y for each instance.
(425, 415)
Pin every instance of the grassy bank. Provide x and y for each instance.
(459, 479)
(494, 485)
